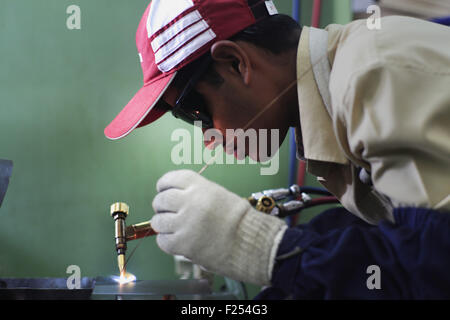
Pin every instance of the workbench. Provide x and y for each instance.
(105, 288)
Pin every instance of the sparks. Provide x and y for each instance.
(125, 277)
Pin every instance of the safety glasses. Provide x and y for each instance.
(190, 105)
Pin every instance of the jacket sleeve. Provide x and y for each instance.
(394, 121)
(339, 256)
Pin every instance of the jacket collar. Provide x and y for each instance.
(315, 138)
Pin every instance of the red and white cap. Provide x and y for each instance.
(172, 34)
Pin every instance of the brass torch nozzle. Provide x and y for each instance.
(119, 212)
(121, 264)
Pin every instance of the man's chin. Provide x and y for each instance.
(254, 156)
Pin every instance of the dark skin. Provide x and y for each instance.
(253, 78)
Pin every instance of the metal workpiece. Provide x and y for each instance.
(108, 289)
(45, 289)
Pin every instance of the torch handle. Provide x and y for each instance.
(138, 231)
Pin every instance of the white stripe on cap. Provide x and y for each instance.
(271, 9)
(186, 51)
(174, 29)
(162, 12)
(182, 38)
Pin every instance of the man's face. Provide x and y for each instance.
(248, 98)
(234, 106)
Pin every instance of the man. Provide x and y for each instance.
(372, 110)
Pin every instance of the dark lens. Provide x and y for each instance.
(191, 108)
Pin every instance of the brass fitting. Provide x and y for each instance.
(139, 230)
(265, 204)
(119, 212)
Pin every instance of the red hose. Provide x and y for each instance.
(323, 200)
(315, 21)
(301, 173)
(300, 182)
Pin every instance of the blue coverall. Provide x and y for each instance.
(331, 257)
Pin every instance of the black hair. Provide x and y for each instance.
(276, 34)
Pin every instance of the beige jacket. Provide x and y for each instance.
(377, 100)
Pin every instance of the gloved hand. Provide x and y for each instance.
(215, 228)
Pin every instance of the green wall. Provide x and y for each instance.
(59, 88)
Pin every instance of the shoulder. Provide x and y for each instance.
(402, 44)
(400, 41)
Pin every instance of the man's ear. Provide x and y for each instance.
(234, 57)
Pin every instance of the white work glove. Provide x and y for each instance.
(215, 228)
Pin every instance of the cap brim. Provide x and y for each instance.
(140, 108)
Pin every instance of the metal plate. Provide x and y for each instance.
(44, 289)
(105, 288)
(148, 288)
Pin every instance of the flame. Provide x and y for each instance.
(125, 277)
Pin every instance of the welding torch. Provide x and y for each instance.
(268, 201)
(123, 234)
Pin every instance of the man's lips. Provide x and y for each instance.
(229, 148)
